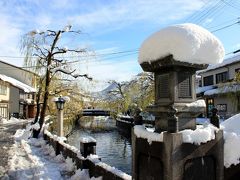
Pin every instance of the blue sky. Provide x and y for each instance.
(112, 26)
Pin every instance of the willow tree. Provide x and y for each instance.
(44, 52)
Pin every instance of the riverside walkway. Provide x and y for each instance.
(7, 130)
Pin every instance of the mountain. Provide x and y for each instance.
(112, 92)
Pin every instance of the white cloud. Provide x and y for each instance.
(9, 40)
(102, 72)
(123, 13)
(93, 17)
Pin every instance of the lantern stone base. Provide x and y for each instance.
(172, 159)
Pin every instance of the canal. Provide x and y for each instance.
(113, 148)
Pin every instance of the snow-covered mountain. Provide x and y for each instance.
(112, 91)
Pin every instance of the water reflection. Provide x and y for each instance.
(113, 148)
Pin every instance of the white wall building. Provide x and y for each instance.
(17, 91)
(218, 88)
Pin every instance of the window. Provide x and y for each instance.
(200, 83)
(3, 89)
(184, 85)
(222, 107)
(162, 86)
(221, 77)
(237, 70)
(208, 80)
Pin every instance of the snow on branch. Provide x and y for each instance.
(69, 72)
(65, 71)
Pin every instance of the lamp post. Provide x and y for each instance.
(60, 105)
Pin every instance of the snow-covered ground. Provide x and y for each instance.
(34, 159)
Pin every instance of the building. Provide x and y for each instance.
(17, 91)
(218, 87)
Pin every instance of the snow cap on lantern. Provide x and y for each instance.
(174, 54)
(185, 42)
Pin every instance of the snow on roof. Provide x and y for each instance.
(186, 42)
(223, 89)
(204, 88)
(18, 84)
(227, 61)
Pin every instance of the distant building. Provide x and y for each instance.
(218, 88)
(17, 91)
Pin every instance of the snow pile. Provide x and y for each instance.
(14, 120)
(114, 170)
(141, 132)
(87, 139)
(65, 98)
(69, 165)
(23, 134)
(198, 103)
(17, 83)
(36, 126)
(34, 159)
(202, 134)
(231, 128)
(186, 42)
(84, 174)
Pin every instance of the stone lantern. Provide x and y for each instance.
(173, 151)
(174, 88)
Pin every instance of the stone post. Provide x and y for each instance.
(60, 123)
(87, 146)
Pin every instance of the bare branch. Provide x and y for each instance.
(81, 75)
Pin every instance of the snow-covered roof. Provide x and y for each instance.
(226, 62)
(186, 42)
(223, 89)
(26, 88)
(204, 88)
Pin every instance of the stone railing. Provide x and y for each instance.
(83, 159)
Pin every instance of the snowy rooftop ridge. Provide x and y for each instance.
(186, 42)
(226, 62)
(26, 88)
(223, 89)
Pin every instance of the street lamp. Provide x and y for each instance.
(60, 103)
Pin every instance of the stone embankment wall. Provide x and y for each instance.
(92, 162)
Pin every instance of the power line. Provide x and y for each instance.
(206, 12)
(211, 11)
(223, 23)
(89, 55)
(225, 27)
(196, 13)
(229, 4)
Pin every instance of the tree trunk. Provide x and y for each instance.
(46, 90)
(44, 106)
(35, 133)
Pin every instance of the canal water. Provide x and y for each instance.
(113, 148)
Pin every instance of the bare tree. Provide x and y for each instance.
(46, 51)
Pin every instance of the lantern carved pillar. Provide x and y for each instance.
(174, 89)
